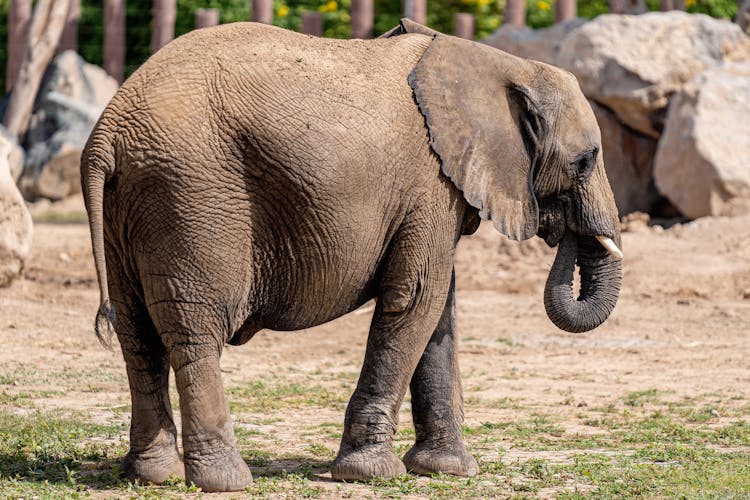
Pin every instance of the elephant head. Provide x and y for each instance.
(520, 141)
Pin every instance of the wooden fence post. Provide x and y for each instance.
(263, 11)
(463, 25)
(565, 10)
(164, 15)
(362, 18)
(46, 26)
(416, 10)
(312, 23)
(69, 38)
(205, 18)
(114, 39)
(19, 13)
(515, 13)
(617, 6)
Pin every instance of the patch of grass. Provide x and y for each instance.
(288, 485)
(639, 398)
(518, 430)
(275, 393)
(321, 450)
(504, 403)
(47, 452)
(662, 472)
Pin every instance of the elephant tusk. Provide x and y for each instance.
(610, 246)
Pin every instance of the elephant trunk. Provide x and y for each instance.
(601, 276)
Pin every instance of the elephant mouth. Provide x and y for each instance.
(553, 227)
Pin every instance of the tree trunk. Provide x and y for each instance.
(46, 26)
(69, 37)
(114, 39)
(363, 16)
(463, 25)
(416, 10)
(19, 13)
(263, 11)
(565, 10)
(205, 18)
(312, 23)
(165, 15)
(515, 13)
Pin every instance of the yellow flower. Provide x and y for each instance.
(331, 6)
(282, 11)
(689, 3)
(542, 5)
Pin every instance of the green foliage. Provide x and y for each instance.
(336, 19)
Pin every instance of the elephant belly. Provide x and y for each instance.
(320, 292)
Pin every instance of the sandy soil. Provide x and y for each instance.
(680, 326)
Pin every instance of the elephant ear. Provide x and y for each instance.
(485, 127)
(405, 26)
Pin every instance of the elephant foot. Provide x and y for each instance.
(368, 462)
(227, 472)
(426, 458)
(153, 466)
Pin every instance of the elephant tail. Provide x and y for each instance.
(97, 167)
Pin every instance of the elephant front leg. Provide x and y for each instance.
(408, 309)
(437, 404)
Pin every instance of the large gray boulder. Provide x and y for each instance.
(52, 168)
(72, 95)
(629, 161)
(540, 44)
(16, 229)
(633, 64)
(703, 161)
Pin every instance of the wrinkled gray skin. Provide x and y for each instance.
(247, 177)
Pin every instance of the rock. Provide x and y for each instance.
(70, 75)
(703, 161)
(629, 161)
(16, 156)
(72, 95)
(633, 64)
(53, 167)
(541, 44)
(16, 229)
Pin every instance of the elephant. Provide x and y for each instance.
(246, 177)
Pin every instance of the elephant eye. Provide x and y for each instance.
(582, 166)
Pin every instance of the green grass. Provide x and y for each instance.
(641, 445)
(277, 393)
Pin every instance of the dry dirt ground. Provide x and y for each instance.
(679, 333)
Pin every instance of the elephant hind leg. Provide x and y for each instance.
(153, 456)
(194, 332)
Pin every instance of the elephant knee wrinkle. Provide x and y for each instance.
(396, 298)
